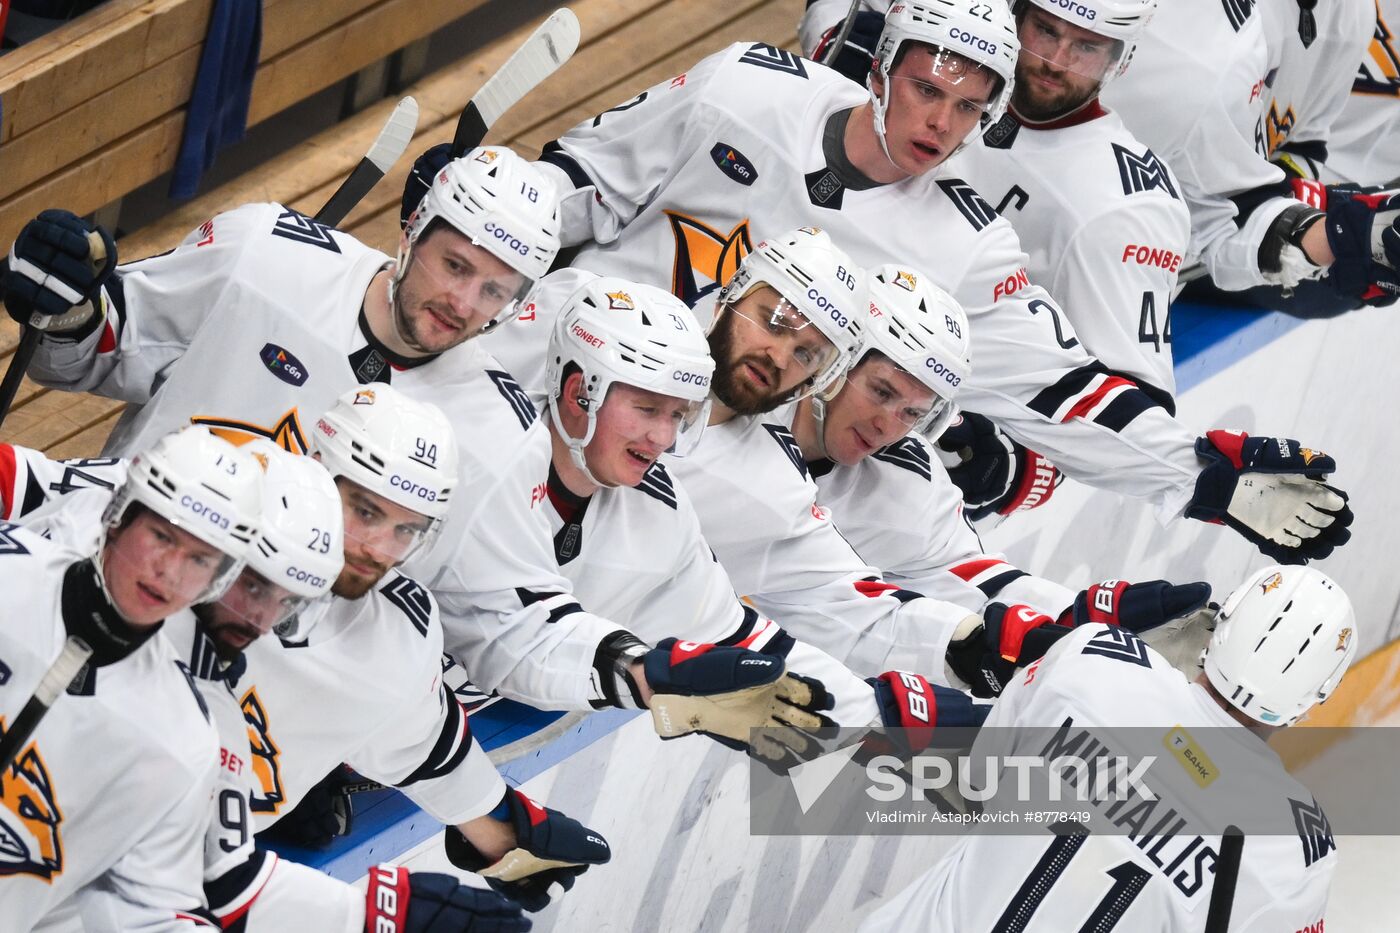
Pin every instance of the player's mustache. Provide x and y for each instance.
(762, 365)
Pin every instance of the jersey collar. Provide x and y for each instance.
(1086, 113)
(370, 363)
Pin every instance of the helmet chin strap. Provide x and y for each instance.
(576, 445)
(878, 106)
(401, 263)
(818, 408)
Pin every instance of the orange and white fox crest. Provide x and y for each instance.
(1271, 584)
(31, 841)
(269, 797)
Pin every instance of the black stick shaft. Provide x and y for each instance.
(1227, 873)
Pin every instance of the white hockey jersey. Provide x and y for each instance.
(1103, 222)
(901, 513)
(249, 327)
(106, 803)
(364, 688)
(1365, 143)
(1215, 89)
(1103, 678)
(676, 186)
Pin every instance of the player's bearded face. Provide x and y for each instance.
(153, 569)
(1061, 68)
(250, 609)
(879, 404)
(635, 427)
(764, 351)
(450, 291)
(379, 535)
(936, 98)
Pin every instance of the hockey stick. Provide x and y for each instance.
(547, 49)
(1227, 873)
(834, 49)
(392, 140)
(29, 339)
(59, 675)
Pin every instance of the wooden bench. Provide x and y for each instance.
(626, 46)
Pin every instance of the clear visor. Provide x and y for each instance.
(259, 605)
(153, 568)
(655, 423)
(1050, 47)
(970, 87)
(915, 408)
(481, 287)
(800, 342)
(380, 531)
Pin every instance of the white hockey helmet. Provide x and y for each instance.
(1121, 20)
(300, 545)
(923, 330)
(500, 202)
(1282, 642)
(201, 484)
(816, 278)
(396, 447)
(980, 32)
(616, 331)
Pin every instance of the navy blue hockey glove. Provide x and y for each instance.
(56, 265)
(996, 474)
(1138, 607)
(551, 848)
(1363, 230)
(919, 709)
(327, 811)
(726, 693)
(1270, 490)
(857, 54)
(420, 179)
(400, 901)
(986, 653)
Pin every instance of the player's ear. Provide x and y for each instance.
(573, 397)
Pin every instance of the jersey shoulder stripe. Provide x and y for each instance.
(789, 444)
(1237, 12)
(412, 599)
(969, 203)
(766, 56)
(907, 454)
(657, 483)
(453, 743)
(515, 396)
(296, 226)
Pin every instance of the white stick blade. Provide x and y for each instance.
(548, 48)
(395, 136)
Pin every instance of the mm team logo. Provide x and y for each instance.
(620, 301)
(283, 365)
(30, 821)
(732, 163)
(1271, 584)
(286, 432)
(705, 258)
(1379, 72)
(269, 796)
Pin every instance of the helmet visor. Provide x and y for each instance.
(799, 343)
(1052, 48)
(152, 567)
(254, 606)
(463, 282)
(906, 400)
(380, 531)
(945, 77)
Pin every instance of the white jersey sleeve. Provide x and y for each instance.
(1365, 142)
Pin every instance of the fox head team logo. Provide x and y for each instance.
(30, 821)
(1271, 584)
(286, 432)
(906, 280)
(1343, 639)
(705, 258)
(266, 769)
(620, 301)
(1379, 72)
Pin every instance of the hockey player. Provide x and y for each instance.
(272, 297)
(300, 541)
(1364, 145)
(793, 302)
(668, 188)
(1283, 642)
(1246, 132)
(106, 803)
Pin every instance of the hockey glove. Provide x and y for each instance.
(327, 811)
(1363, 230)
(726, 692)
(1174, 619)
(1271, 491)
(420, 179)
(995, 474)
(400, 901)
(53, 276)
(909, 703)
(857, 54)
(550, 848)
(985, 651)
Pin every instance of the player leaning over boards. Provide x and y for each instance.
(359, 681)
(671, 187)
(262, 317)
(105, 806)
(1282, 643)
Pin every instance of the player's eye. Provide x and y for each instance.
(647, 409)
